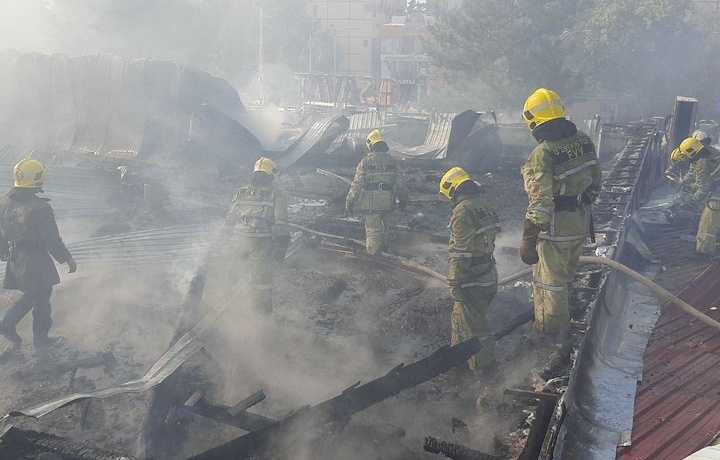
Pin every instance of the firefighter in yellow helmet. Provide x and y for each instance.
(679, 169)
(562, 178)
(378, 183)
(472, 276)
(706, 192)
(258, 232)
(29, 241)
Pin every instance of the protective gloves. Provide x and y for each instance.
(528, 246)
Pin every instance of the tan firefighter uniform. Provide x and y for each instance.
(378, 181)
(472, 276)
(706, 193)
(557, 176)
(259, 235)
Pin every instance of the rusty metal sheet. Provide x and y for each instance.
(677, 408)
(169, 362)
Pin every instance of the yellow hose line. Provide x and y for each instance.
(584, 260)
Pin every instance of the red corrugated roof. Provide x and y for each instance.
(677, 406)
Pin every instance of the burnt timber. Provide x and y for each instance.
(354, 399)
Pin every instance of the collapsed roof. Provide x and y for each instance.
(109, 106)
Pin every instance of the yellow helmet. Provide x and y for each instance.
(29, 173)
(373, 138)
(267, 166)
(676, 155)
(452, 180)
(542, 106)
(690, 147)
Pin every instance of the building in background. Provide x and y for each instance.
(355, 26)
(402, 59)
(379, 50)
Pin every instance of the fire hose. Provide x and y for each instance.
(659, 291)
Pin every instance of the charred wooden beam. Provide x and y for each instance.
(244, 420)
(454, 451)
(247, 403)
(353, 400)
(538, 430)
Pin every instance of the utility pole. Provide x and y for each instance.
(310, 63)
(261, 77)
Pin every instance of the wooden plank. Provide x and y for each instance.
(247, 403)
(244, 420)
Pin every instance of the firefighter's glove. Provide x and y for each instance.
(281, 247)
(72, 265)
(528, 246)
(349, 207)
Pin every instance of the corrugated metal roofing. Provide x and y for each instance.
(361, 124)
(677, 406)
(102, 104)
(315, 140)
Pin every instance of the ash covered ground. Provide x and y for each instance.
(338, 319)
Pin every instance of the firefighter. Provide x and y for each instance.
(472, 276)
(29, 241)
(257, 228)
(706, 192)
(562, 178)
(378, 183)
(684, 172)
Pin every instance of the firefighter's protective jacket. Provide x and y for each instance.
(704, 177)
(377, 182)
(29, 236)
(473, 226)
(562, 175)
(259, 212)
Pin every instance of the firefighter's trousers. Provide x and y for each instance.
(552, 281)
(376, 232)
(469, 315)
(39, 302)
(709, 228)
(254, 261)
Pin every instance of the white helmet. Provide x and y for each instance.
(700, 135)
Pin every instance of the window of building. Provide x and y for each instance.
(366, 43)
(315, 11)
(369, 7)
